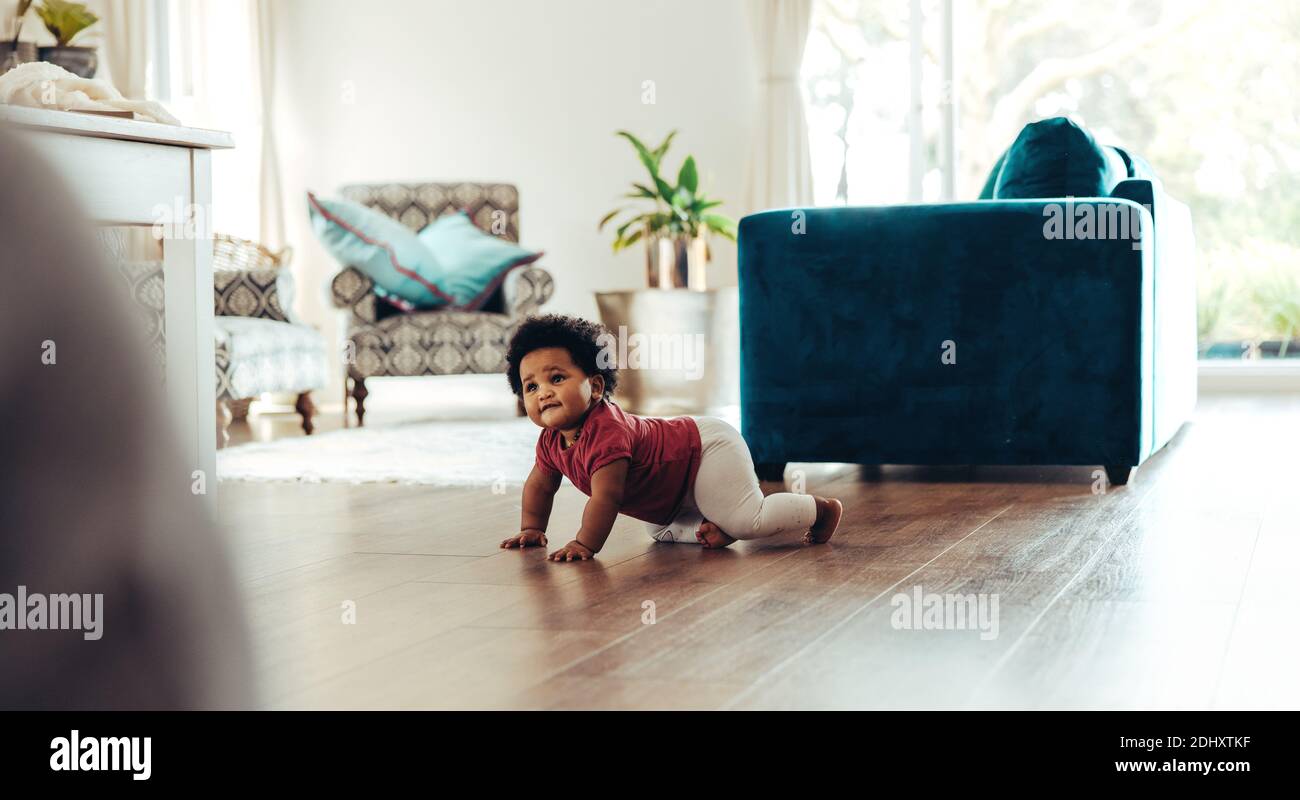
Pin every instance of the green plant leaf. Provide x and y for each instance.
(642, 191)
(663, 147)
(605, 219)
(665, 190)
(621, 243)
(723, 226)
(65, 19)
(647, 158)
(644, 219)
(688, 178)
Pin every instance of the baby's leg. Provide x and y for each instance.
(681, 529)
(727, 491)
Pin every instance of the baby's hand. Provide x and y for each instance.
(529, 538)
(573, 551)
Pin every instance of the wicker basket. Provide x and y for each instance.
(231, 252)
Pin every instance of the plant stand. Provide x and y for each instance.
(678, 350)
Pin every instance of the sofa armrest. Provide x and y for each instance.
(526, 289)
(265, 293)
(353, 290)
(846, 316)
(1173, 313)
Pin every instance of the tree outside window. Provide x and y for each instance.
(1203, 89)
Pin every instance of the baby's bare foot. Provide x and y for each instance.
(711, 536)
(829, 512)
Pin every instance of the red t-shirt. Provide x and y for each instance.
(664, 453)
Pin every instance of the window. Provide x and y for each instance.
(876, 102)
(1204, 91)
(203, 67)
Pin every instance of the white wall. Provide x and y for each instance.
(521, 91)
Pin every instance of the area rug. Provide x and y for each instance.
(468, 453)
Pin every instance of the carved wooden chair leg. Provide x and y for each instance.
(359, 394)
(347, 393)
(223, 423)
(306, 409)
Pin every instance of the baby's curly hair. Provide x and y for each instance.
(574, 334)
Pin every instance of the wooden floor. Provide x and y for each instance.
(1176, 591)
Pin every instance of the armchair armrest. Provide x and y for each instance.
(526, 289)
(265, 293)
(353, 290)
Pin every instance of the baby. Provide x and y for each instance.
(687, 478)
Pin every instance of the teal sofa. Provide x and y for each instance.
(965, 333)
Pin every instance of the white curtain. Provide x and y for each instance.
(270, 205)
(222, 76)
(780, 173)
(124, 47)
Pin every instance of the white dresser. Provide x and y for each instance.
(125, 172)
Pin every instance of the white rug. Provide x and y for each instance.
(470, 453)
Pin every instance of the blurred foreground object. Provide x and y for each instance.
(94, 498)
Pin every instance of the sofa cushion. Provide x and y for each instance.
(1058, 158)
(405, 272)
(261, 355)
(260, 292)
(991, 182)
(474, 263)
(1136, 166)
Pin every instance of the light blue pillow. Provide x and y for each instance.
(473, 263)
(406, 273)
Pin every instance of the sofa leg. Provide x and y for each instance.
(359, 394)
(1117, 474)
(306, 409)
(770, 471)
(223, 423)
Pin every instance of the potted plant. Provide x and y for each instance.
(675, 230)
(64, 20)
(14, 52)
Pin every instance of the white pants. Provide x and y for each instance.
(726, 493)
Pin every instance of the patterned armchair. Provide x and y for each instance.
(383, 341)
(260, 347)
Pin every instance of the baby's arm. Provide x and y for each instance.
(599, 515)
(539, 496)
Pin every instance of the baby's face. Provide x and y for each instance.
(556, 392)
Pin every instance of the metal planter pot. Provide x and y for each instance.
(677, 262)
(12, 56)
(80, 61)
